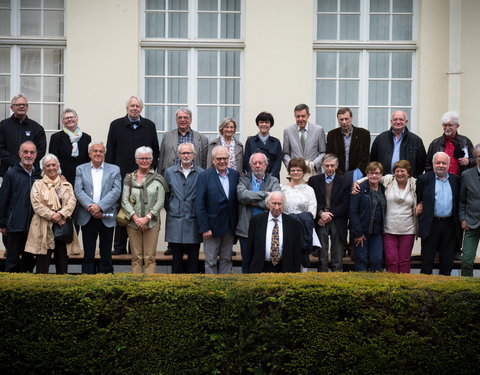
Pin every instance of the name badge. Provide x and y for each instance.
(28, 133)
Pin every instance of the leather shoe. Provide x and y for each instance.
(119, 251)
(168, 252)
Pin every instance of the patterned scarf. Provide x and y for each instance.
(74, 138)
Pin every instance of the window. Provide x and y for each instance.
(364, 56)
(33, 65)
(192, 53)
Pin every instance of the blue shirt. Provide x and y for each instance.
(225, 182)
(396, 148)
(329, 179)
(443, 198)
(257, 186)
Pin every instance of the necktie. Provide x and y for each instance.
(302, 138)
(275, 248)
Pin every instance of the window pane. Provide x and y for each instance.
(378, 120)
(349, 27)
(4, 60)
(53, 23)
(326, 64)
(401, 93)
(30, 22)
(403, 6)
(51, 116)
(207, 5)
(155, 113)
(229, 91)
(177, 90)
(379, 27)
(326, 92)
(178, 4)
(178, 27)
(379, 5)
(401, 65)
(326, 118)
(177, 63)
(30, 86)
(327, 5)
(53, 89)
(350, 5)
(233, 112)
(379, 65)
(155, 4)
(402, 27)
(327, 26)
(207, 91)
(348, 92)
(30, 4)
(5, 89)
(207, 25)
(155, 62)
(378, 93)
(230, 63)
(53, 4)
(53, 61)
(207, 119)
(207, 63)
(4, 22)
(30, 61)
(155, 25)
(155, 90)
(348, 65)
(230, 26)
(230, 5)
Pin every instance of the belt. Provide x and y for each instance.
(442, 217)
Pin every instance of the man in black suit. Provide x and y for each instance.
(125, 135)
(273, 239)
(332, 192)
(437, 211)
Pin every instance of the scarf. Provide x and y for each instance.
(74, 138)
(50, 196)
(401, 194)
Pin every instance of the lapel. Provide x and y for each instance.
(218, 183)
(105, 178)
(88, 177)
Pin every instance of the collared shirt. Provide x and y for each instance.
(268, 237)
(135, 123)
(224, 181)
(30, 172)
(396, 148)
(263, 139)
(97, 175)
(185, 171)
(347, 140)
(443, 198)
(299, 129)
(329, 179)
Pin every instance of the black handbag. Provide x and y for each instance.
(64, 232)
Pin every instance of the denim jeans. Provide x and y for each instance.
(369, 256)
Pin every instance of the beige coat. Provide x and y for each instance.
(40, 236)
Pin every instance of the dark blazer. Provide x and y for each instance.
(359, 148)
(469, 205)
(338, 201)
(273, 150)
(61, 147)
(214, 210)
(292, 252)
(123, 140)
(426, 195)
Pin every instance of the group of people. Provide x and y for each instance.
(220, 191)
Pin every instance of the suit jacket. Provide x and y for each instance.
(238, 153)
(338, 200)
(214, 210)
(314, 148)
(61, 147)
(169, 146)
(469, 204)
(426, 195)
(359, 148)
(292, 253)
(111, 189)
(123, 140)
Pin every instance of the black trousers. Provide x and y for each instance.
(442, 240)
(60, 258)
(268, 267)
(90, 231)
(192, 250)
(17, 259)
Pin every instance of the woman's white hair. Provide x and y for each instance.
(46, 159)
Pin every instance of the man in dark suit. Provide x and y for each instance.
(437, 211)
(216, 210)
(97, 188)
(350, 144)
(125, 135)
(273, 239)
(469, 213)
(332, 193)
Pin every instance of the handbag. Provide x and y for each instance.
(122, 217)
(63, 232)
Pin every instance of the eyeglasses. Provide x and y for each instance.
(20, 105)
(375, 173)
(144, 159)
(221, 159)
(69, 118)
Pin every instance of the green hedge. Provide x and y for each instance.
(341, 323)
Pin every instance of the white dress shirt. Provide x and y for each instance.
(97, 176)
